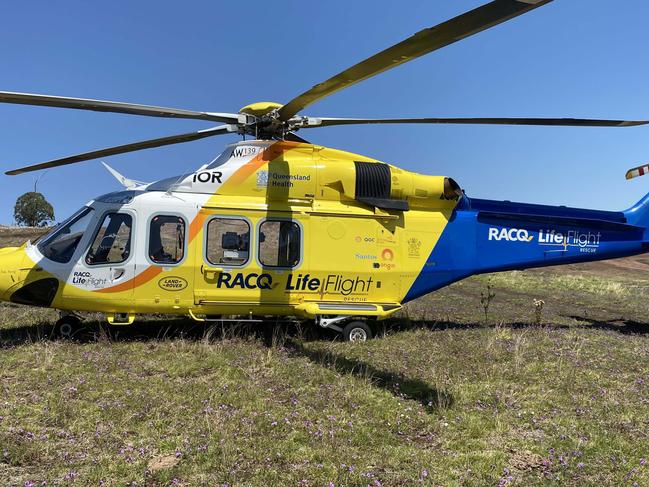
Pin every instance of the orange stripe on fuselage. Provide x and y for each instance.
(143, 277)
(270, 153)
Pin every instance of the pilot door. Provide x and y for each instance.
(107, 266)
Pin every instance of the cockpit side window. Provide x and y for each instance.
(63, 241)
(112, 243)
(167, 239)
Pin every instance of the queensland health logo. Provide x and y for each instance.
(510, 235)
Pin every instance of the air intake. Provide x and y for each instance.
(373, 186)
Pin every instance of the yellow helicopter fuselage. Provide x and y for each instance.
(305, 238)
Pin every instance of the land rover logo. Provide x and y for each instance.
(172, 283)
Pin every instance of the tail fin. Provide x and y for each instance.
(638, 214)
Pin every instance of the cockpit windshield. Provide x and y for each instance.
(59, 245)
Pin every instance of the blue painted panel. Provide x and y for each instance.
(491, 236)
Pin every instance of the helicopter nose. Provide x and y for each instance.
(11, 262)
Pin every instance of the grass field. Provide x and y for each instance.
(448, 395)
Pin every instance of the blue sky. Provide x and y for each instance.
(573, 58)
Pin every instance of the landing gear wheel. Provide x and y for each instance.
(66, 327)
(357, 331)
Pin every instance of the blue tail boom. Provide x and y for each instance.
(491, 236)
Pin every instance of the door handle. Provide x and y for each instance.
(214, 271)
(117, 274)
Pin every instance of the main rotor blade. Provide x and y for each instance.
(113, 106)
(423, 42)
(562, 122)
(121, 149)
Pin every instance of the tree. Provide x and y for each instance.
(33, 210)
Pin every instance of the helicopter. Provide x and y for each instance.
(277, 227)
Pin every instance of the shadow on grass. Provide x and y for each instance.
(152, 329)
(620, 325)
(156, 328)
(401, 386)
(289, 336)
(162, 328)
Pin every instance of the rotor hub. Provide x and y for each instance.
(261, 108)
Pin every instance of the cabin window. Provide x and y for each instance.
(112, 243)
(228, 241)
(279, 243)
(167, 239)
(63, 241)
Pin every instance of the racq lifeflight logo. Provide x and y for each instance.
(586, 241)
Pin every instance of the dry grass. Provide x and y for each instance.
(440, 399)
(525, 281)
(170, 403)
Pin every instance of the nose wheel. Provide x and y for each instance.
(67, 326)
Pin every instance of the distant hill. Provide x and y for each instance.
(16, 236)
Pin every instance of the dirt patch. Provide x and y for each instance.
(163, 463)
(526, 460)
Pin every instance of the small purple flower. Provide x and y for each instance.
(71, 475)
(178, 454)
(580, 465)
(29, 483)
